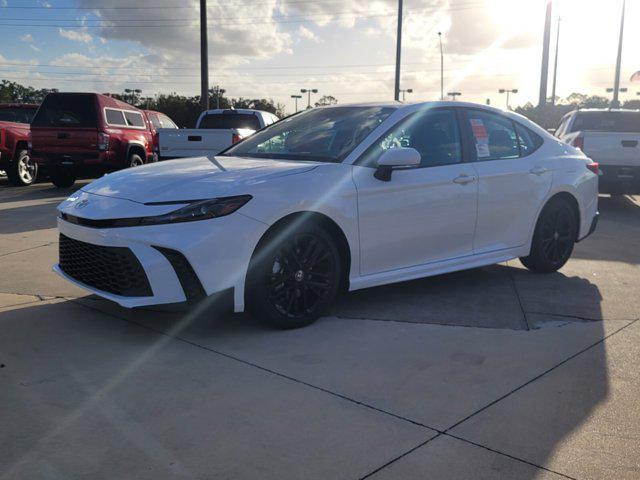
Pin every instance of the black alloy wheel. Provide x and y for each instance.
(554, 238)
(294, 283)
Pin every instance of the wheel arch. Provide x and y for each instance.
(571, 200)
(137, 148)
(19, 146)
(298, 219)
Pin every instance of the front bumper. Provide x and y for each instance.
(217, 250)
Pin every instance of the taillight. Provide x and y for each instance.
(578, 142)
(103, 141)
(29, 144)
(235, 138)
(594, 167)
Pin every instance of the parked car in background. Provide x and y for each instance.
(89, 134)
(14, 138)
(215, 130)
(612, 139)
(337, 197)
(157, 121)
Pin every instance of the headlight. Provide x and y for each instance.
(201, 210)
(197, 210)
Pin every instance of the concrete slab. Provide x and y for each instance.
(29, 272)
(581, 419)
(431, 374)
(88, 396)
(447, 458)
(9, 299)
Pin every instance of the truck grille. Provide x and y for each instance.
(113, 270)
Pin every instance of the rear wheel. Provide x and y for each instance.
(554, 238)
(135, 160)
(63, 177)
(22, 171)
(293, 279)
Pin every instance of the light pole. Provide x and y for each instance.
(619, 90)
(544, 71)
(132, 92)
(453, 95)
(616, 86)
(309, 91)
(398, 52)
(555, 65)
(204, 58)
(441, 68)
(508, 92)
(407, 90)
(296, 98)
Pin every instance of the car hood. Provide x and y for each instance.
(193, 178)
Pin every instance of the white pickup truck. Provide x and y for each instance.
(610, 137)
(215, 130)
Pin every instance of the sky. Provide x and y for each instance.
(343, 48)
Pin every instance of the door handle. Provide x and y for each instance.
(464, 179)
(538, 171)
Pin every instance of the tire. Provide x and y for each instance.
(63, 177)
(293, 278)
(553, 239)
(135, 160)
(22, 171)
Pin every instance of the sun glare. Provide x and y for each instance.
(514, 16)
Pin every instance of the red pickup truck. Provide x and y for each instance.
(14, 138)
(89, 134)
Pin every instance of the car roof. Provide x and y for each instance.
(248, 111)
(19, 105)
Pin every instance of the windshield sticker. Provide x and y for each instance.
(482, 138)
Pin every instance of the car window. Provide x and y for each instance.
(225, 121)
(323, 135)
(528, 141)
(619, 122)
(167, 122)
(17, 114)
(134, 119)
(155, 121)
(60, 110)
(562, 126)
(114, 117)
(433, 133)
(494, 136)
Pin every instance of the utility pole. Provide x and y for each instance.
(616, 86)
(204, 57)
(555, 65)
(544, 74)
(398, 52)
(441, 68)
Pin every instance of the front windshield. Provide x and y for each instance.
(322, 135)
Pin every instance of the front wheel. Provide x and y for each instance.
(135, 160)
(553, 239)
(22, 171)
(63, 177)
(294, 277)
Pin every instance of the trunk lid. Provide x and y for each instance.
(607, 148)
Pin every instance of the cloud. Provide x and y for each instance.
(4, 3)
(27, 38)
(76, 36)
(307, 34)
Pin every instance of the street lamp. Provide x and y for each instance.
(508, 92)
(132, 92)
(309, 91)
(296, 98)
(219, 92)
(621, 90)
(453, 95)
(441, 68)
(407, 90)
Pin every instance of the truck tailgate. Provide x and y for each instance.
(608, 148)
(192, 142)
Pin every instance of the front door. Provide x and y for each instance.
(424, 214)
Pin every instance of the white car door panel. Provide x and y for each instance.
(422, 214)
(514, 179)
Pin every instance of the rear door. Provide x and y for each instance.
(65, 125)
(514, 179)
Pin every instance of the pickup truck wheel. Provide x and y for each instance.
(135, 160)
(63, 177)
(22, 171)
(293, 278)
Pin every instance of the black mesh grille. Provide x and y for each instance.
(109, 269)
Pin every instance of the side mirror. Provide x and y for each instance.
(394, 158)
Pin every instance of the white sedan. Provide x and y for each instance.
(343, 197)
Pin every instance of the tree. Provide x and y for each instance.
(326, 100)
(12, 92)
